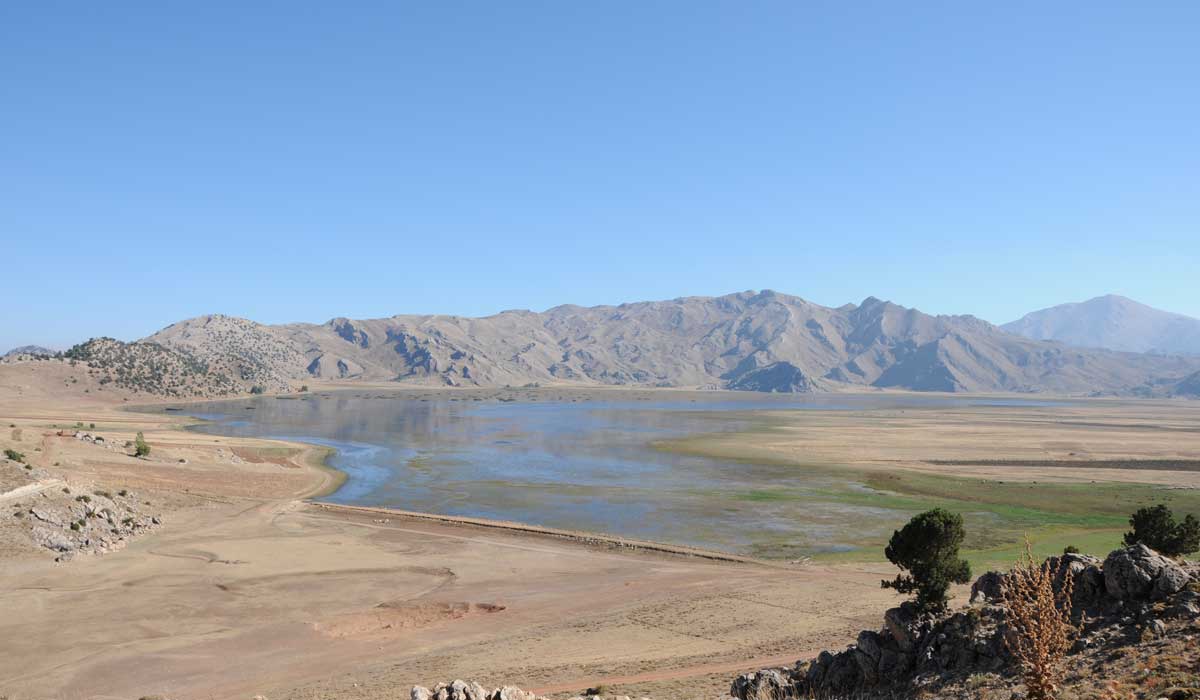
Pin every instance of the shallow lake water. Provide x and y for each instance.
(582, 465)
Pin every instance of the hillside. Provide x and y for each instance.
(148, 368)
(1114, 323)
(762, 341)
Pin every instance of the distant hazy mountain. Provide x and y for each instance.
(36, 350)
(1114, 323)
(763, 341)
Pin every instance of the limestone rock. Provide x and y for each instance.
(1138, 572)
(768, 683)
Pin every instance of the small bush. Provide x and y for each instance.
(14, 455)
(75, 526)
(927, 547)
(1156, 528)
(140, 447)
(1070, 549)
(257, 390)
(84, 498)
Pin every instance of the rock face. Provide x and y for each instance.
(1140, 573)
(759, 341)
(1128, 595)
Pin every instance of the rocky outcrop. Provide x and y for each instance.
(1128, 596)
(68, 522)
(1140, 573)
(463, 690)
(780, 377)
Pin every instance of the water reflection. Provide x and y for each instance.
(575, 464)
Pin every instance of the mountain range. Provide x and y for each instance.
(763, 341)
(1114, 323)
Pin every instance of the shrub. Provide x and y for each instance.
(1156, 528)
(1039, 619)
(257, 389)
(927, 547)
(1070, 549)
(303, 388)
(14, 455)
(140, 447)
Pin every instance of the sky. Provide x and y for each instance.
(298, 161)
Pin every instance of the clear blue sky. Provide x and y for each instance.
(298, 161)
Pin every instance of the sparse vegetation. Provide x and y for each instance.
(927, 547)
(1070, 549)
(14, 455)
(150, 368)
(1156, 528)
(1040, 620)
(256, 389)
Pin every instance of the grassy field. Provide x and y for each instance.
(880, 462)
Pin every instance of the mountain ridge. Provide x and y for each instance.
(1112, 322)
(758, 340)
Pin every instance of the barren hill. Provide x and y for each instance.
(1114, 323)
(763, 341)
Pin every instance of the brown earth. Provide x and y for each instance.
(248, 589)
(245, 589)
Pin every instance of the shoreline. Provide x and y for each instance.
(592, 539)
(904, 482)
(318, 457)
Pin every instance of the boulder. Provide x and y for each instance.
(988, 588)
(1139, 573)
(763, 685)
(904, 625)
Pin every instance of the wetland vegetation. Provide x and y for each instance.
(698, 470)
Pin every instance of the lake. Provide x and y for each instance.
(579, 464)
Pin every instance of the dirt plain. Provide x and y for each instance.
(247, 588)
